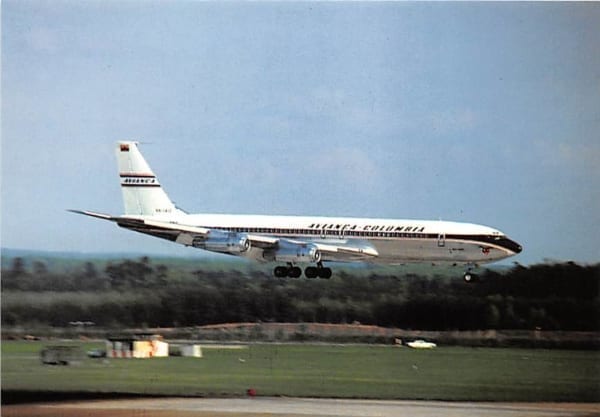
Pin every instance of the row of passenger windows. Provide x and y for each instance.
(310, 232)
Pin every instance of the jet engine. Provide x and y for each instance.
(295, 253)
(233, 243)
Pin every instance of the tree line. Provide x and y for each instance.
(141, 292)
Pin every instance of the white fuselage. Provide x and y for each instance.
(396, 241)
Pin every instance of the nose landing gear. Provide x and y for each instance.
(469, 276)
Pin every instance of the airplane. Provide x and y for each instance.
(300, 240)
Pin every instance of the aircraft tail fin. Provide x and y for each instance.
(142, 193)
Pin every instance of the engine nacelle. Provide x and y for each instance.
(295, 253)
(224, 243)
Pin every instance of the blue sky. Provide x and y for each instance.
(479, 112)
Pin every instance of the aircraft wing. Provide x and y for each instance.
(158, 228)
(178, 228)
(223, 241)
(344, 252)
(329, 250)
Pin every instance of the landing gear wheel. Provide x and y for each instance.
(294, 272)
(324, 273)
(470, 277)
(281, 271)
(311, 272)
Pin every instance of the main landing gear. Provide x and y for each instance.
(292, 271)
(317, 271)
(287, 271)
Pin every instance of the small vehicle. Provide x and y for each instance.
(421, 344)
(96, 353)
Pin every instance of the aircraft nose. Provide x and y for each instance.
(510, 245)
(514, 246)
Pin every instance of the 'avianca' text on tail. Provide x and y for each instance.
(294, 240)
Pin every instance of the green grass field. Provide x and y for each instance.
(323, 371)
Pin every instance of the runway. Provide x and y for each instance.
(297, 407)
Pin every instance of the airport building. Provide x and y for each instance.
(137, 346)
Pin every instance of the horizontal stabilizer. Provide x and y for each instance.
(92, 214)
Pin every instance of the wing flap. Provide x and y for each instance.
(343, 252)
(263, 242)
(362, 251)
(340, 251)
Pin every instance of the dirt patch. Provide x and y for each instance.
(44, 410)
